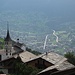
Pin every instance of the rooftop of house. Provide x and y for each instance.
(58, 68)
(59, 61)
(51, 57)
(70, 71)
(15, 43)
(26, 56)
(63, 64)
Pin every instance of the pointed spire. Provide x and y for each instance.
(8, 35)
(8, 29)
(7, 26)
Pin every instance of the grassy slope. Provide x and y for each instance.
(1, 43)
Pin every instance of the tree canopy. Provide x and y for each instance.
(21, 68)
(71, 57)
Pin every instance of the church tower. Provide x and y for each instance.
(8, 43)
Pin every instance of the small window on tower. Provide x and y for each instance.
(6, 50)
(10, 53)
(6, 53)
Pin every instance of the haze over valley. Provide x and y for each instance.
(46, 25)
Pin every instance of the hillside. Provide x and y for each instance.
(33, 27)
(1, 43)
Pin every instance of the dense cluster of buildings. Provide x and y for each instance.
(51, 63)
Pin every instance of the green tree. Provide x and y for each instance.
(21, 68)
(71, 57)
(1, 43)
(32, 51)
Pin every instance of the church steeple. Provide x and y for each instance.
(8, 43)
(8, 35)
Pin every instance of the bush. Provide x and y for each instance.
(32, 51)
(23, 69)
(71, 57)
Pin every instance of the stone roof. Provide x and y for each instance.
(26, 56)
(70, 71)
(60, 62)
(52, 57)
(63, 66)
(14, 43)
